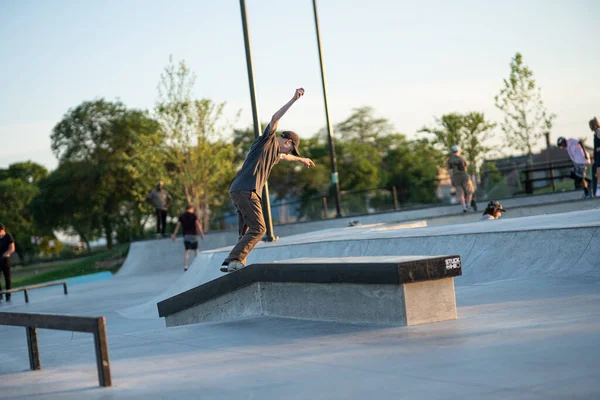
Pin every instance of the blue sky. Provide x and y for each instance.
(411, 61)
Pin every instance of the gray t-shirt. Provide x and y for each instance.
(159, 198)
(261, 158)
(486, 217)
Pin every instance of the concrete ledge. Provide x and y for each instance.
(391, 290)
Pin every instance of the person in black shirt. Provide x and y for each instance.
(247, 187)
(595, 127)
(7, 247)
(191, 227)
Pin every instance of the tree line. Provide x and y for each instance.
(110, 156)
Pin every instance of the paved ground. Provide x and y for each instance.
(528, 327)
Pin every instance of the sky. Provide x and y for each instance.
(411, 61)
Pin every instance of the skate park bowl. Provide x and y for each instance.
(517, 248)
(526, 302)
(375, 290)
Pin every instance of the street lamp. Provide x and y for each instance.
(334, 175)
(257, 128)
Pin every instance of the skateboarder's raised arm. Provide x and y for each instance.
(281, 112)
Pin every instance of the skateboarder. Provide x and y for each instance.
(191, 227)
(493, 210)
(581, 160)
(457, 167)
(160, 199)
(7, 247)
(247, 187)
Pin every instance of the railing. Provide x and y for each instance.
(26, 289)
(550, 175)
(94, 325)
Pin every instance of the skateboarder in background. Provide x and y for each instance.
(191, 227)
(247, 187)
(493, 210)
(581, 160)
(457, 167)
(7, 247)
(161, 200)
(595, 127)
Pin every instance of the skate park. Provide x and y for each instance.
(526, 328)
(393, 201)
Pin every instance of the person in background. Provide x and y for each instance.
(7, 247)
(191, 227)
(161, 200)
(581, 160)
(457, 168)
(493, 210)
(595, 127)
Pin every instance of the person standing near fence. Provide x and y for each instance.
(7, 247)
(457, 168)
(161, 200)
(581, 160)
(247, 187)
(595, 127)
(191, 227)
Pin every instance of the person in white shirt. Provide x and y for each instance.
(581, 160)
(493, 210)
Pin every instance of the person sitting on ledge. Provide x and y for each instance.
(493, 210)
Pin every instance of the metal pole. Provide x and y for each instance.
(101, 346)
(32, 347)
(334, 175)
(324, 207)
(395, 197)
(552, 177)
(257, 128)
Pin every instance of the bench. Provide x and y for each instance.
(94, 325)
(26, 289)
(390, 290)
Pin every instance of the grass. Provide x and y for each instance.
(109, 260)
(564, 185)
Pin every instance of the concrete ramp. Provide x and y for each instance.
(564, 245)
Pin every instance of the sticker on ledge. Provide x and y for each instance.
(453, 263)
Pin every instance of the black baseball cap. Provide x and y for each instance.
(295, 141)
(496, 204)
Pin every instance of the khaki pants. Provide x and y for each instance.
(251, 224)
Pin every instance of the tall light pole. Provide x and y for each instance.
(257, 128)
(334, 174)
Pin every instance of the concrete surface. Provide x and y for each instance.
(490, 250)
(528, 328)
(163, 254)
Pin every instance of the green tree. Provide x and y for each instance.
(469, 131)
(413, 170)
(362, 125)
(15, 195)
(193, 128)
(26, 171)
(18, 187)
(65, 202)
(448, 132)
(111, 141)
(526, 119)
